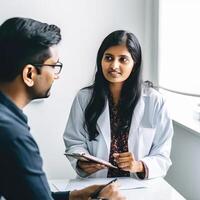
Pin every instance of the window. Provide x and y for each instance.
(179, 57)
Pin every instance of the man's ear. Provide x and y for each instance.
(28, 75)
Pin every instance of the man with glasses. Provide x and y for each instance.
(29, 64)
(57, 67)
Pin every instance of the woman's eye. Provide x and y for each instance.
(108, 58)
(123, 60)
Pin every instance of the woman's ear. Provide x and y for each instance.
(28, 75)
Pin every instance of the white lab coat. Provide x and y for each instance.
(150, 134)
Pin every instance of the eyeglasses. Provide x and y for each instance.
(56, 67)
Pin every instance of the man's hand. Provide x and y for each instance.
(90, 167)
(110, 192)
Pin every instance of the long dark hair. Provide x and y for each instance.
(131, 89)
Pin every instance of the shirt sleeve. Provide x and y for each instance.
(60, 195)
(26, 177)
(143, 175)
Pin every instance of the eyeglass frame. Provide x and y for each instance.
(58, 64)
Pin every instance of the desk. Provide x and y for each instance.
(158, 189)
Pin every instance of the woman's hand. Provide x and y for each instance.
(90, 167)
(126, 161)
(111, 192)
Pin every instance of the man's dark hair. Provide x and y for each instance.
(24, 41)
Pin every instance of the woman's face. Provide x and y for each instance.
(117, 64)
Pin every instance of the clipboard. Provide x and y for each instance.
(90, 158)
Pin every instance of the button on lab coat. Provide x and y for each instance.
(150, 134)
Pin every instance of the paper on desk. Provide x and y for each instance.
(125, 183)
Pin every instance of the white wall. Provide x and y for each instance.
(84, 24)
(184, 174)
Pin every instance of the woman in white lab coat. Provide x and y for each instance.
(118, 119)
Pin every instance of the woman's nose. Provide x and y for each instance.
(115, 65)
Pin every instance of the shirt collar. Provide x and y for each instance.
(5, 100)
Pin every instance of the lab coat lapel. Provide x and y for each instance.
(135, 124)
(103, 124)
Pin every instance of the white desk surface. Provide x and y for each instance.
(158, 189)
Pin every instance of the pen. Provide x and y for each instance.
(95, 194)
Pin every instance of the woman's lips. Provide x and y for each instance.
(114, 73)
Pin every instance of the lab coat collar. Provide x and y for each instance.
(137, 115)
(103, 124)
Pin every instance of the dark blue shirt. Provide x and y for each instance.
(21, 174)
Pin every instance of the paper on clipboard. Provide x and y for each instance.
(90, 158)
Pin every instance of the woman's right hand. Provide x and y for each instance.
(89, 167)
